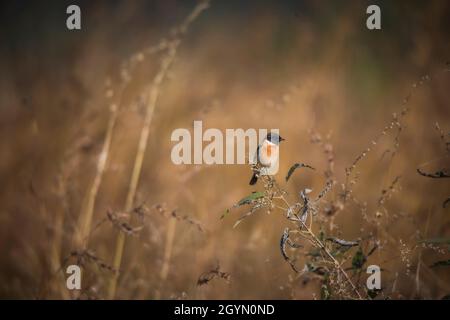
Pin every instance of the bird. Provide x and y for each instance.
(267, 153)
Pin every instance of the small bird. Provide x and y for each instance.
(267, 153)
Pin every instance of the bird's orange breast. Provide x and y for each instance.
(268, 153)
(269, 150)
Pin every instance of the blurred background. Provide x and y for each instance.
(308, 68)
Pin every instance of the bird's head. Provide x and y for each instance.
(274, 138)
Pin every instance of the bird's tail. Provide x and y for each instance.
(253, 179)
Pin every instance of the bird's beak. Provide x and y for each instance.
(282, 139)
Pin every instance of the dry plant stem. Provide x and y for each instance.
(168, 248)
(324, 249)
(395, 122)
(56, 255)
(87, 210)
(153, 96)
(167, 254)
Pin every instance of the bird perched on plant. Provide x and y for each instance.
(266, 154)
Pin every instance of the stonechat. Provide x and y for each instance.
(266, 154)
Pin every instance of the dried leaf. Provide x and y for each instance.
(284, 240)
(206, 277)
(343, 243)
(295, 167)
(436, 175)
(249, 199)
